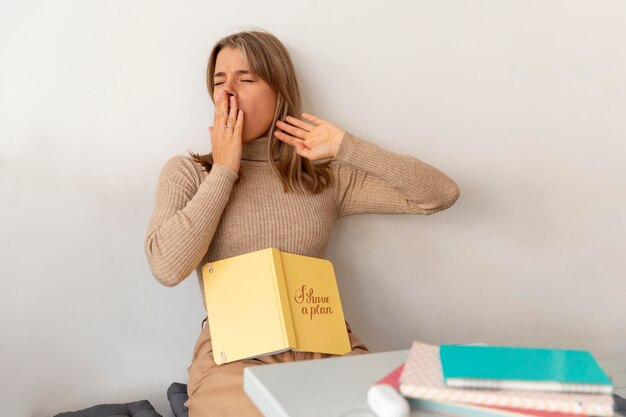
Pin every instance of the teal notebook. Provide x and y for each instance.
(528, 369)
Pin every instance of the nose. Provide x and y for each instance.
(229, 88)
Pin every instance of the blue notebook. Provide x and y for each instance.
(527, 369)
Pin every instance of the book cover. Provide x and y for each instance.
(465, 410)
(529, 369)
(268, 301)
(422, 378)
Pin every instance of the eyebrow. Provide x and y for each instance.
(239, 72)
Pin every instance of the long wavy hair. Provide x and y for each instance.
(269, 59)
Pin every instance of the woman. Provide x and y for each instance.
(276, 177)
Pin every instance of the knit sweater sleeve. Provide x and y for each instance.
(373, 180)
(186, 214)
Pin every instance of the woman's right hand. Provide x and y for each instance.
(226, 141)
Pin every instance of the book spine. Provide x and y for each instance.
(461, 410)
(282, 300)
(500, 384)
(573, 406)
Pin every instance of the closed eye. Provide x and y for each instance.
(246, 81)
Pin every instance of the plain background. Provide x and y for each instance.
(521, 102)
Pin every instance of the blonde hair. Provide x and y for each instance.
(269, 59)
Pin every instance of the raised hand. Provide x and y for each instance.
(226, 142)
(315, 139)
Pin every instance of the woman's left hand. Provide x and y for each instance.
(320, 140)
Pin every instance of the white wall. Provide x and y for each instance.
(521, 102)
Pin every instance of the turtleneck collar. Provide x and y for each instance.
(255, 150)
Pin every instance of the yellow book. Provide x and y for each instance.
(270, 301)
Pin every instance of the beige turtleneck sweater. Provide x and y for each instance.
(200, 217)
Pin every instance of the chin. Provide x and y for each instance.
(247, 137)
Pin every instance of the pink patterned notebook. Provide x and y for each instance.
(393, 379)
(422, 378)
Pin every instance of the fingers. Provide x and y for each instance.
(295, 131)
(221, 110)
(299, 123)
(297, 127)
(239, 125)
(298, 144)
(312, 141)
(226, 112)
(312, 118)
(232, 114)
(287, 138)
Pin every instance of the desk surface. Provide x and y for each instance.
(337, 387)
(334, 387)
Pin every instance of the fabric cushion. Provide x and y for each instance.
(177, 395)
(135, 409)
(620, 403)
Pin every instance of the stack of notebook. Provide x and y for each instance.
(486, 381)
